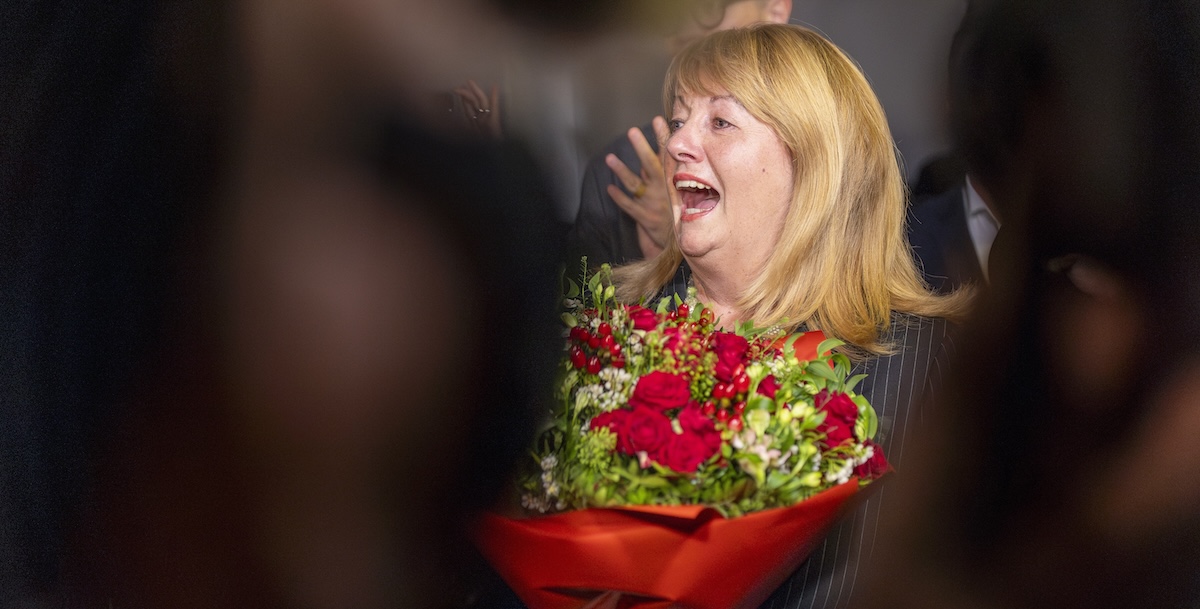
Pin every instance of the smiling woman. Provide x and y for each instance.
(788, 200)
(788, 210)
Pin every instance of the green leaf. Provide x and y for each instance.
(759, 402)
(828, 345)
(609, 292)
(654, 482)
(853, 382)
(822, 370)
(569, 320)
(572, 289)
(866, 415)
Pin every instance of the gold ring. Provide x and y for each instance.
(640, 190)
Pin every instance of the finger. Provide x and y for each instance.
(663, 132)
(630, 180)
(495, 99)
(468, 100)
(651, 167)
(477, 89)
(481, 98)
(626, 203)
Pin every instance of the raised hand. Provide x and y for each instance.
(645, 196)
(482, 109)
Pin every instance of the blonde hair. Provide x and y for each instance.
(842, 263)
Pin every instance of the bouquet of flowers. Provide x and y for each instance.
(673, 446)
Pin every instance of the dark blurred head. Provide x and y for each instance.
(1083, 121)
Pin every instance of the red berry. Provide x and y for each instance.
(615, 350)
(739, 370)
(741, 384)
(735, 424)
(594, 342)
(708, 409)
(608, 341)
(605, 329)
(706, 315)
(720, 390)
(739, 408)
(578, 359)
(593, 365)
(722, 415)
(618, 362)
(683, 309)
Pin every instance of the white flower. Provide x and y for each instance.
(842, 474)
(866, 456)
(549, 462)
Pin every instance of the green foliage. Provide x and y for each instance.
(775, 456)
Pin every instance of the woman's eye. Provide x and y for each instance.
(721, 123)
(674, 125)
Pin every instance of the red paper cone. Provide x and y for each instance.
(654, 556)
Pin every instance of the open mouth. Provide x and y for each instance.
(697, 197)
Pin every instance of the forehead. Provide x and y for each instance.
(715, 96)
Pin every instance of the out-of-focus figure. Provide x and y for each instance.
(1065, 471)
(272, 328)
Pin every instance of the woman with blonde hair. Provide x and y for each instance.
(789, 210)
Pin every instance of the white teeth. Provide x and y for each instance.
(693, 210)
(691, 184)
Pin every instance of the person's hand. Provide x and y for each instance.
(646, 201)
(482, 109)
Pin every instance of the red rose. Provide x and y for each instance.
(615, 422)
(660, 391)
(731, 351)
(694, 422)
(685, 452)
(643, 318)
(876, 466)
(840, 415)
(647, 430)
(768, 386)
(671, 339)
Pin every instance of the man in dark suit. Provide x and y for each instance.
(951, 234)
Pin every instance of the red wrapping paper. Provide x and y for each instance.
(653, 557)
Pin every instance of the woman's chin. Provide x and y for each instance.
(694, 248)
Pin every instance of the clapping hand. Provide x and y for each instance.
(645, 196)
(482, 109)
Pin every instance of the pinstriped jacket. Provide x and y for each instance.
(898, 386)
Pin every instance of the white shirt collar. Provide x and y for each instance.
(980, 223)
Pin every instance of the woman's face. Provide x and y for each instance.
(732, 179)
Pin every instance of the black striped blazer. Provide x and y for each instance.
(900, 386)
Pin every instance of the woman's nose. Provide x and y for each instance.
(683, 145)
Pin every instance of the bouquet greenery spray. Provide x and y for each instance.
(658, 407)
